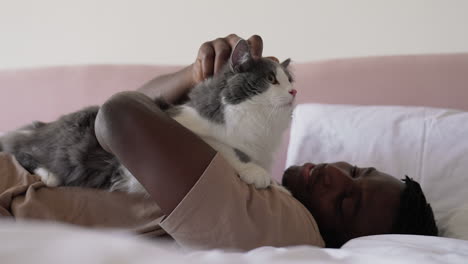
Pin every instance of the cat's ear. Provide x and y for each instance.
(285, 63)
(240, 55)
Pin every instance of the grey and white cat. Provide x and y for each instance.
(241, 112)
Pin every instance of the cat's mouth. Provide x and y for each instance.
(283, 104)
(289, 104)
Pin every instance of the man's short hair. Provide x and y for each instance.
(415, 216)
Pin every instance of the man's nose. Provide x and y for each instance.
(336, 177)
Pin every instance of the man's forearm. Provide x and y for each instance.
(172, 87)
(165, 157)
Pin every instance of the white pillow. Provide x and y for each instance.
(429, 145)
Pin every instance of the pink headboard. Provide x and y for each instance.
(46, 93)
(425, 80)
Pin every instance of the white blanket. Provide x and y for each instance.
(35, 243)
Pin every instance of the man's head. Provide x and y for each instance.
(349, 202)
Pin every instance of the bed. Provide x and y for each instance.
(403, 114)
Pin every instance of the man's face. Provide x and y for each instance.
(346, 201)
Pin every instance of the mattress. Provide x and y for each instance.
(41, 243)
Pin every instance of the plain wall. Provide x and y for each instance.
(60, 32)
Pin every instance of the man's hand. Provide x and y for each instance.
(212, 55)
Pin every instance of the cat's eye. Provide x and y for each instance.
(271, 78)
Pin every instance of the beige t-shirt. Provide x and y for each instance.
(220, 211)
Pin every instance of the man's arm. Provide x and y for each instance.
(165, 157)
(172, 87)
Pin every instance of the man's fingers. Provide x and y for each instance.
(207, 54)
(212, 55)
(197, 71)
(222, 53)
(232, 40)
(256, 46)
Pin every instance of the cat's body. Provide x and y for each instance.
(241, 112)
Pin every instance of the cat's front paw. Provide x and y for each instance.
(47, 177)
(256, 175)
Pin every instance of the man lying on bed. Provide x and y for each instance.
(202, 202)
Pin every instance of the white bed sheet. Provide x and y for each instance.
(40, 243)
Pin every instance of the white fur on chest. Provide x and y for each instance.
(255, 130)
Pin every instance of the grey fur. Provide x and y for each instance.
(252, 81)
(68, 147)
(242, 156)
(206, 99)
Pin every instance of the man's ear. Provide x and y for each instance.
(285, 63)
(240, 55)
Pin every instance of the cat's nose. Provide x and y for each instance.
(293, 92)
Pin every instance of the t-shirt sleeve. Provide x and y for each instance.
(221, 211)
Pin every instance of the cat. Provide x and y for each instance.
(241, 112)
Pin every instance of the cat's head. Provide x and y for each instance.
(264, 82)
